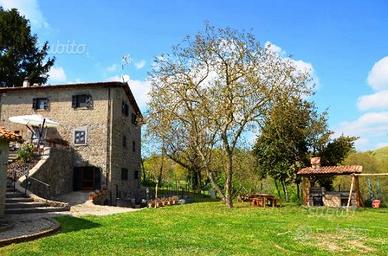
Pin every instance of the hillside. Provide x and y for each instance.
(381, 154)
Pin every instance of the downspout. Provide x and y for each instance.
(1, 103)
(109, 140)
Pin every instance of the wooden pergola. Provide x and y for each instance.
(316, 171)
(355, 183)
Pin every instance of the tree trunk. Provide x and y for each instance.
(277, 188)
(285, 190)
(228, 184)
(143, 169)
(214, 185)
(159, 180)
(198, 178)
(195, 178)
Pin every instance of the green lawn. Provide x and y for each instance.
(212, 229)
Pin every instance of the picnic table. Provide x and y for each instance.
(263, 200)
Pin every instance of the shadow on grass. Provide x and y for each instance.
(73, 224)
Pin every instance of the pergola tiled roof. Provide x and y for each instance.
(331, 170)
(9, 136)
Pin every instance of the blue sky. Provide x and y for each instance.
(346, 43)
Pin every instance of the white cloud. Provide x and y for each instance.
(57, 74)
(378, 100)
(112, 68)
(304, 66)
(301, 66)
(139, 88)
(378, 76)
(274, 48)
(30, 9)
(372, 128)
(140, 64)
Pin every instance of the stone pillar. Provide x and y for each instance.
(306, 190)
(3, 174)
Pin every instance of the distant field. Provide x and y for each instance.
(212, 229)
(381, 154)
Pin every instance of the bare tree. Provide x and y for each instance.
(212, 89)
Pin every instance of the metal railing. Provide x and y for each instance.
(28, 185)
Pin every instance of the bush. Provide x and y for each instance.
(26, 152)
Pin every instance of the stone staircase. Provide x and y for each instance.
(12, 157)
(18, 203)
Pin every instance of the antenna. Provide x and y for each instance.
(125, 60)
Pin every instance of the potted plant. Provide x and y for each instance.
(92, 196)
(376, 203)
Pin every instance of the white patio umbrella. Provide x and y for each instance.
(34, 120)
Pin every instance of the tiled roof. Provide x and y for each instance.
(345, 169)
(9, 136)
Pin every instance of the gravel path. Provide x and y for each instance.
(26, 227)
(33, 223)
(88, 208)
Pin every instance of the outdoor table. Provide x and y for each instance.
(262, 200)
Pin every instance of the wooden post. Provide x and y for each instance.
(350, 193)
(359, 201)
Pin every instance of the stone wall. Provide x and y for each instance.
(337, 199)
(124, 156)
(56, 169)
(3, 176)
(60, 110)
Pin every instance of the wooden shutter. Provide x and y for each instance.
(46, 104)
(89, 101)
(34, 103)
(74, 101)
(126, 109)
(97, 178)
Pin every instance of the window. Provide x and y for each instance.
(124, 174)
(82, 101)
(124, 141)
(133, 119)
(133, 146)
(136, 175)
(80, 136)
(125, 108)
(40, 103)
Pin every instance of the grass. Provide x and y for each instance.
(211, 229)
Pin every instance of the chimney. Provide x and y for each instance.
(315, 162)
(26, 83)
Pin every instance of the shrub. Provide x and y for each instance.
(26, 152)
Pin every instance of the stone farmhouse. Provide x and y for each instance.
(97, 143)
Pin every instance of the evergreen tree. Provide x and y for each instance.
(20, 55)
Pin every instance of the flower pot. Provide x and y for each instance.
(92, 196)
(376, 203)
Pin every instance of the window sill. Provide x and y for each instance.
(83, 108)
(80, 145)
